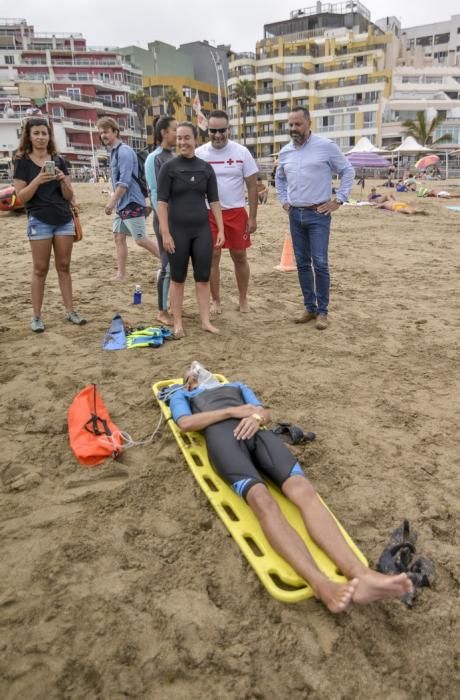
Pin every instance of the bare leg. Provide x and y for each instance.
(121, 249)
(149, 244)
(177, 301)
(323, 529)
(62, 253)
(240, 262)
(202, 296)
(41, 253)
(285, 540)
(216, 305)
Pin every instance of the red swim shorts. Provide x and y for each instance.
(235, 221)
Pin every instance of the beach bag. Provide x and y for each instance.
(93, 435)
(78, 235)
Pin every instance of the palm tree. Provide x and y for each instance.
(423, 131)
(140, 102)
(173, 100)
(244, 92)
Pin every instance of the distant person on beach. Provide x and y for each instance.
(391, 204)
(234, 167)
(443, 194)
(374, 195)
(410, 182)
(165, 129)
(185, 183)
(34, 110)
(304, 185)
(230, 416)
(262, 190)
(42, 183)
(127, 199)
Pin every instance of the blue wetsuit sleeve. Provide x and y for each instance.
(179, 406)
(248, 395)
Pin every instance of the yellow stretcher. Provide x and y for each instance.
(278, 577)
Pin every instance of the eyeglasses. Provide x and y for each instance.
(218, 131)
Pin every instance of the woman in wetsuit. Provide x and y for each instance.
(184, 184)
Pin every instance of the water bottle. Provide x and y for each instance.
(137, 298)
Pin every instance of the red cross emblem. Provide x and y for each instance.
(230, 161)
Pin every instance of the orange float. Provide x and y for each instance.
(9, 201)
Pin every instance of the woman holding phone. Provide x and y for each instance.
(42, 183)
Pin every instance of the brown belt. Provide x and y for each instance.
(313, 207)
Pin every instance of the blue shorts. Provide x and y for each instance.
(39, 231)
(134, 227)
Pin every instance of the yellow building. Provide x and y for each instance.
(326, 58)
(186, 88)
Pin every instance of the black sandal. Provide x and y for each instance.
(292, 434)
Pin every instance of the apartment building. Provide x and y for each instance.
(438, 43)
(330, 58)
(196, 67)
(73, 83)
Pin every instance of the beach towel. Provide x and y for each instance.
(454, 208)
(278, 577)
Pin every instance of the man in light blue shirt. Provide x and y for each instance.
(127, 199)
(304, 185)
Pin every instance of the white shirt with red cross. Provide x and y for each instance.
(232, 164)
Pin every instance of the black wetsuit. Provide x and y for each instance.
(242, 463)
(184, 184)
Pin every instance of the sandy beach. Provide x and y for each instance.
(120, 581)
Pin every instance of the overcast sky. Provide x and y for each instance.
(236, 22)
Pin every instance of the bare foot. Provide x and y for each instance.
(209, 328)
(165, 318)
(373, 586)
(244, 307)
(337, 596)
(178, 333)
(215, 307)
(119, 277)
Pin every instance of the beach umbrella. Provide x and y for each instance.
(367, 160)
(424, 162)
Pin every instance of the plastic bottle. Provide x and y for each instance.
(137, 297)
(202, 376)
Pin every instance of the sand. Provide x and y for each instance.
(121, 582)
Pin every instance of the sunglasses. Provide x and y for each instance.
(218, 131)
(37, 121)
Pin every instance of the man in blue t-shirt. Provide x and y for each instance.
(230, 416)
(127, 199)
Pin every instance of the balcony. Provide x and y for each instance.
(261, 118)
(265, 138)
(281, 114)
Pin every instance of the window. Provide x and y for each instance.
(442, 38)
(58, 112)
(118, 77)
(187, 92)
(9, 60)
(120, 99)
(424, 40)
(74, 93)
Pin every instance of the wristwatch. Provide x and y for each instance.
(258, 417)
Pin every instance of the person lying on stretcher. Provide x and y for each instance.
(230, 417)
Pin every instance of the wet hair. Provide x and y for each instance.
(108, 123)
(161, 123)
(218, 114)
(305, 111)
(25, 143)
(190, 126)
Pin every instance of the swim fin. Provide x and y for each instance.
(115, 338)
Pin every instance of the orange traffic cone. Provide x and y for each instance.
(287, 263)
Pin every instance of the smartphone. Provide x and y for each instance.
(50, 167)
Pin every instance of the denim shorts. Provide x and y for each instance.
(37, 230)
(134, 227)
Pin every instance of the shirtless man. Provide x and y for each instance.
(230, 417)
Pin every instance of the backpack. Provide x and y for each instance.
(92, 434)
(140, 177)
